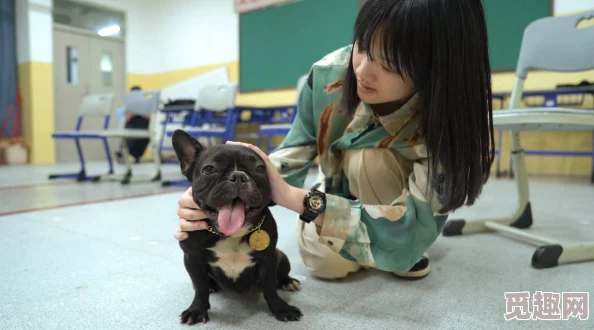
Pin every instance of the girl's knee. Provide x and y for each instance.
(321, 261)
(326, 264)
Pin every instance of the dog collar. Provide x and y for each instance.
(257, 227)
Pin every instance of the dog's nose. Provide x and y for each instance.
(238, 176)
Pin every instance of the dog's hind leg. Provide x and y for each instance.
(214, 286)
(268, 277)
(284, 281)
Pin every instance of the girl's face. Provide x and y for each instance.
(375, 84)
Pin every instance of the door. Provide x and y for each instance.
(72, 73)
(85, 64)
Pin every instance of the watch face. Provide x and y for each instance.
(316, 202)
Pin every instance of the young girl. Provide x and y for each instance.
(401, 121)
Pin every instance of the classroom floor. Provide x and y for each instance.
(102, 256)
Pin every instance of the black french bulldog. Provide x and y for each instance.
(230, 185)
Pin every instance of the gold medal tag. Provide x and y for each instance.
(259, 240)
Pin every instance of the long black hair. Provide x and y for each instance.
(442, 46)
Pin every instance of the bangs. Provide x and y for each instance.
(394, 33)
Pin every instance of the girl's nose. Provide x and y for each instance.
(365, 70)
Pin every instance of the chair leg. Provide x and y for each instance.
(108, 153)
(81, 175)
(125, 178)
(549, 252)
(521, 217)
(126, 153)
(156, 159)
(109, 161)
(499, 153)
(592, 174)
(552, 255)
(268, 144)
(259, 141)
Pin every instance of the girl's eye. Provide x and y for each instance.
(261, 169)
(207, 170)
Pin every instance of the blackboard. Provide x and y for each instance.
(279, 44)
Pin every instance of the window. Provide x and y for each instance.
(105, 22)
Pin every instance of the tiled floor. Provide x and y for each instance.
(115, 264)
(26, 188)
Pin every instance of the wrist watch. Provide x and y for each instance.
(314, 203)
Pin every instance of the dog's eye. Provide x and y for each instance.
(208, 170)
(261, 169)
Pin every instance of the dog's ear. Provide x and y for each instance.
(187, 149)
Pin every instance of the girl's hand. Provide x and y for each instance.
(281, 190)
(189, 216)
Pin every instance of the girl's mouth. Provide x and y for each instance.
(364, 88)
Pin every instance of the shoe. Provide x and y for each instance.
(418, 271)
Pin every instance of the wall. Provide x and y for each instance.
(34, 57)
(139, 29)
(571, 6)
(170, 42)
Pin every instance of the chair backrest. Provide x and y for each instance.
(96, 105)
(216, 97)
(557, 44)
(142, 103)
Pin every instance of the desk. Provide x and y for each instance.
(550, 100)
(258, 115)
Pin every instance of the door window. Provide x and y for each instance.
(106, 67)
(72, 65)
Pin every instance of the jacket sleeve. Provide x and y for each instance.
(294, 156)
(387, 237)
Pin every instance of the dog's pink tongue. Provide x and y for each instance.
(231, 218)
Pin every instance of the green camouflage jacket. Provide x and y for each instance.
(387, 237)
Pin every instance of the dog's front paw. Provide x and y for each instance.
(194, 315)
(287, 313)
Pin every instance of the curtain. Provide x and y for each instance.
(8, 64)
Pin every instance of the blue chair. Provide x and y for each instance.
(280, 121)
(95, 105)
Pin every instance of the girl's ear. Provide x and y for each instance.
(187, 150)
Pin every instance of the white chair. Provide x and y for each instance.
(92, 106)
(550, 44)
(215, 118)
(143, 103)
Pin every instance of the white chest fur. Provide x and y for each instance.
(233, 256)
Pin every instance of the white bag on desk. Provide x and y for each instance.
(13, 150)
